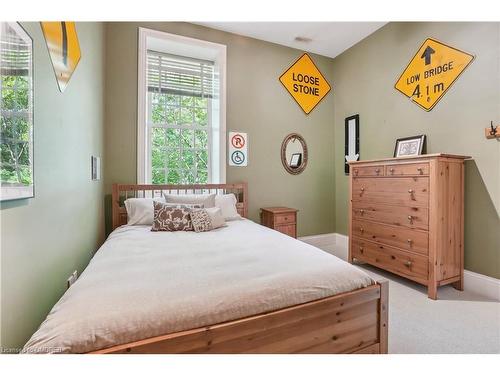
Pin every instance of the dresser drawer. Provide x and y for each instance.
(402, 191)
(288, 218)
(368, 171)
(404, 238)
(411, 217)
(413, 169)
(391, 259)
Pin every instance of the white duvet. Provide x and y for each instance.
(143, 284)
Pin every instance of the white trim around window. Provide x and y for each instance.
(188, 47)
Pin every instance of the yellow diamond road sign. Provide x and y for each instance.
(431, 72)
(305, 83)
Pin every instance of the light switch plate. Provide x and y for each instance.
(95, 168)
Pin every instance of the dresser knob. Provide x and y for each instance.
(409, 240)
(410, 218)
(361, 230)
(361, 249)
(356, 172)
(377, 171)
(361, 211)
(391, 170)
(362, 189)
(408, 263)
(420, 170)
(410, 191)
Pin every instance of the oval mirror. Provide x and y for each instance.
(294, 153)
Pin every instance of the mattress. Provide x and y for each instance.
(143, 284)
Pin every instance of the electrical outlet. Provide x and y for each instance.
(71, 280)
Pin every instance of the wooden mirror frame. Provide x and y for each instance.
(287, 139)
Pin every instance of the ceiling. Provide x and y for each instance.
(327, 38)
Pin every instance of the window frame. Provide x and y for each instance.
(189, 47)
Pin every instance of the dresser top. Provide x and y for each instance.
(417, 157)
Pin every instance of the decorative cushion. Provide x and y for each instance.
(201, 220)
(207, 200)
(170, 217)
(216, 217)
(227, 204)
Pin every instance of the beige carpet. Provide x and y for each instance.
(458, 322)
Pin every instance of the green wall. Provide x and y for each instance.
(45, 238)
(256, 103)
(363, 81)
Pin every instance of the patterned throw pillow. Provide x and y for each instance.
(172, 217)
(201, 220)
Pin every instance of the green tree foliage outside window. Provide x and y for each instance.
(179, 127)
(15, 131)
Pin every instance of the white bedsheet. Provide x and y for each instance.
(143, 284)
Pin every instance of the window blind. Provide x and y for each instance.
(177, 75)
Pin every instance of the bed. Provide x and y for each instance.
(243, 288)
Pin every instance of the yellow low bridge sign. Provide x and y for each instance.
(431, 72)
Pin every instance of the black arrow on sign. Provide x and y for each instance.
(427, 54)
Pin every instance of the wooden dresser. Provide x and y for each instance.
(406, 216)
(282, 219)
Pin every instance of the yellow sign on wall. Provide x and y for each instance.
(431, 72)
(64, 49)
(305, 83)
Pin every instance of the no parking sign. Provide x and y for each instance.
(238, 149)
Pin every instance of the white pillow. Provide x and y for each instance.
(216, 217)
(207, 200)
(227, 204)
(140, 210)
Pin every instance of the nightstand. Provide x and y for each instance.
(282, 219)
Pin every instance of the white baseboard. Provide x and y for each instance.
(337, 244)
(483, 285)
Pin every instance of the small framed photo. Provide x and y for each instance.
(410, 146)
(296, 160)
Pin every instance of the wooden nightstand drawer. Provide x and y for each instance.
(288, 218)
(287, 229)
(282, 219)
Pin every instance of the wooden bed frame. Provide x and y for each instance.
(352, 322)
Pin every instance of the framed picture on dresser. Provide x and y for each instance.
(410, 146)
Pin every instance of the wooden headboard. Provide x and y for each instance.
(121, 192)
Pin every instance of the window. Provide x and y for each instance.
(16, 86)
(179, 101)
(181, 130)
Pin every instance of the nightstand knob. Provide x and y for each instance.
(410, 191)
(409, 240)
(361, 211)
(361, 230)
(362, 189)
(361, 249)
(410, 218)
(408, 263)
